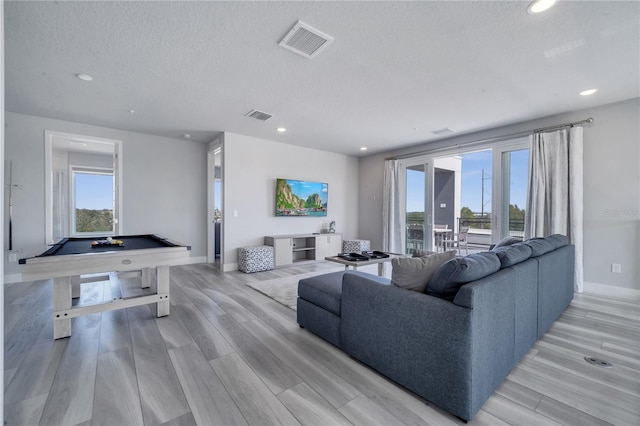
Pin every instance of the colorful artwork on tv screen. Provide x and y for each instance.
(301, 198)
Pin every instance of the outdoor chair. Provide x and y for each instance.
(457, 240)
(439, 233)
(415, 237)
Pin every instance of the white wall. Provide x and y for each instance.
(250, 169)
(2, 211)
(611, 191)
(164, 184)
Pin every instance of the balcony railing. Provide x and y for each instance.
(479, 231)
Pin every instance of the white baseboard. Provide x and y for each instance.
(228, 267)
(199, 259)
(611, 290)
(16, 278)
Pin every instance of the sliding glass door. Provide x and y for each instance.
(513, 169)
(469, 199)
(417, 190)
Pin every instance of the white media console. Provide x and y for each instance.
(289, 249)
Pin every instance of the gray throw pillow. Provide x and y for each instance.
(540, 246)
(413, 273)
(455, 273)
(507, 241)
(513, 254)
(558, 240)
(422, 253)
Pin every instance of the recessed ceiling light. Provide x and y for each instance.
(131, 111)
(363, 148)
(588, 92)
(187, 136)
(84, 77)
(281, 129)
(539, 6)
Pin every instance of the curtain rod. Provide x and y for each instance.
(495, 139)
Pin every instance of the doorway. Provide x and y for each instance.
(83, 180)
(215, 241)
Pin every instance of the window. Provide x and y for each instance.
(92, 201)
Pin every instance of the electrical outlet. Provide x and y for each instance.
(616, 268)
(13, 257)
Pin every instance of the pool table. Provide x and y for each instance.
(70, 258)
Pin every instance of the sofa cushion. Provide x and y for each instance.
(324, 291)
(513, 254)
(453, 274)
(507, 241)
(558, 240)
(540, 246)
(414, 273)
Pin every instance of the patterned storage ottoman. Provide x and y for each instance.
(255, 259)
(355, 246)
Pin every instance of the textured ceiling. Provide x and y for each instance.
(395, 72)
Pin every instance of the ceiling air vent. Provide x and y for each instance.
(258, 115)
(443, 132)
(305, 40)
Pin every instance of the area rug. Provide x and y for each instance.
(283, 290)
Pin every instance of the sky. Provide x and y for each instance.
(93, 191)
(471, 185)
(305, 188)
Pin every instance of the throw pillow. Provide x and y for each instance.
(453, 274)
(422, 253)
(507, 241)
(515, 253)
(540, 246)
(413, 273)
(558, 240)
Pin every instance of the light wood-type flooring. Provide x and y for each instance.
(229, 355)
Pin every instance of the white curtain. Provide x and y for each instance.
(391, 223)
(555, 202)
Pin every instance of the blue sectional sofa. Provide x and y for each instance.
(453, 347)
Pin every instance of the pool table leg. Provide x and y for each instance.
(75, 286)
(61, 302)
(162, 289)
(146, 277)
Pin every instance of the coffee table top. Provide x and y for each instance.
(357, 263)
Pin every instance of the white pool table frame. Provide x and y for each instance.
(66, 271)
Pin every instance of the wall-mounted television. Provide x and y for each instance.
(301, 198)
